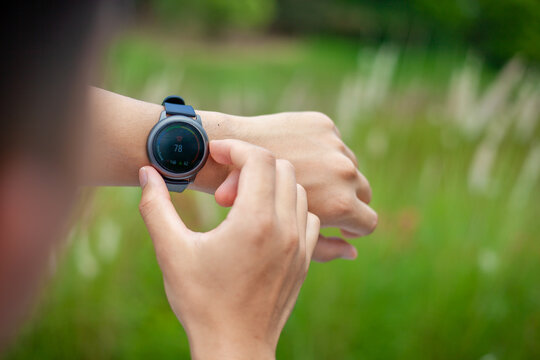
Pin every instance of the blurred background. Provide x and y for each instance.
(440, 100)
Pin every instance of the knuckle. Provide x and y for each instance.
(366, 192)
(340, 146)
(342, 206)
(289, 235)
(336, 143)
(347, 169)
(355, 161)
(369, 193)
(321, 118)
(292, 241)
(336, 131)
(372, 224)
(266, 156)
(289, 229)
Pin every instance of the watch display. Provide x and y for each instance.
(179, 147)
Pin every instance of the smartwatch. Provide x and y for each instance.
(177, 145)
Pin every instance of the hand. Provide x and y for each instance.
(234, 287)
(337, 191)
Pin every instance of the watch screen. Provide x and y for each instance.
(179, 147)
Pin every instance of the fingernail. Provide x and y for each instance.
(143, 177)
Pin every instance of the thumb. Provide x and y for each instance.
(330, 248)
(166, 228)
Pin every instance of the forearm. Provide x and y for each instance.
(117, 141)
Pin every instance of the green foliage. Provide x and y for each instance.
(215, 15)
(499, 29)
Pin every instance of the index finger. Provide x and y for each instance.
(257, 180)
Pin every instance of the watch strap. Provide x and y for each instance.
(175, 105)
(176, 185)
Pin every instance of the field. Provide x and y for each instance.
(452, 151)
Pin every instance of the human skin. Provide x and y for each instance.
(234, 287)
(338, 193)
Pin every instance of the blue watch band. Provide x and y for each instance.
(176, 186)
(175, 105)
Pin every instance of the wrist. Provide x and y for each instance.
(225, 347)
(119, 132)
(217, 126)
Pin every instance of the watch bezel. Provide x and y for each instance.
(174, 119)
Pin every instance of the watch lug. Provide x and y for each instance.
(163, 115)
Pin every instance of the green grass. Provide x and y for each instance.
(452, 271)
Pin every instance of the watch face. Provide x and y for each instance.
(179, 147)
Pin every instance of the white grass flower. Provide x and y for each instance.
(486, 154)
(110, 234)
(488, 261)
(368, 88)
(348, 102)
(480, 168)
(527, 110)
(377, 143)
(464, 89)
(527, 179)
(495, 99)
(86, 261)
(381, 76)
